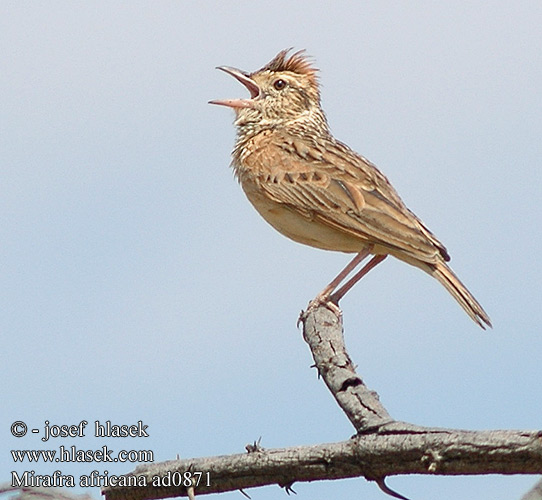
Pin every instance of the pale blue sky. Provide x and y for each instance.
(138, 283)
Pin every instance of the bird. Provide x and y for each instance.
(316, 190)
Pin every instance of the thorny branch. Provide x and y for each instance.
(382, 446)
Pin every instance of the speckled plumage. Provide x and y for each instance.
(316, 190)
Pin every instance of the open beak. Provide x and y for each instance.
(245, 79)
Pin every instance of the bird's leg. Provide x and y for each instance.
(341, 292)
(323, 296)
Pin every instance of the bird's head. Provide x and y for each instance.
(282, 93)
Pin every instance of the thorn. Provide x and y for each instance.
(301, 318)
(255, 447)
(288, 489)
(317, 369)
(386, 489)
(244, 493)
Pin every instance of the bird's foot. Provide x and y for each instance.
(322, 299)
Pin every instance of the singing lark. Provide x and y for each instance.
(316, 190)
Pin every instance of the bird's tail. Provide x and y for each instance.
(460, 293)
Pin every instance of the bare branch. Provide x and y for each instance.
(373, 456)
(322, 330)
(382, 447)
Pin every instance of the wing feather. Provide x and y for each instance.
(339, 188)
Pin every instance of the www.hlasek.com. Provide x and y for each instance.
(72, 454)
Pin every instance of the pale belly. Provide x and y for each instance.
(304, 229)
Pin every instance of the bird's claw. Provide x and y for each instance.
(325, 300)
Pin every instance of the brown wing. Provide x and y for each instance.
(332, 184)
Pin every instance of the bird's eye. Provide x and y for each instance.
(279, 84)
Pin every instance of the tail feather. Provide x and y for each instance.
(460, 293)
